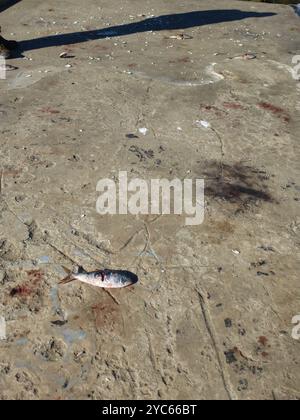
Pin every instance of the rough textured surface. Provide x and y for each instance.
(204, 321)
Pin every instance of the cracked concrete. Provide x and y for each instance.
(211, 316)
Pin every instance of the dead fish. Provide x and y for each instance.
(246, 56)
(66, 55)
(180, 36)
(108, 279)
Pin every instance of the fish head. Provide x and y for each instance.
(127, 278)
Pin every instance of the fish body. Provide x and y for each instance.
(107, 279)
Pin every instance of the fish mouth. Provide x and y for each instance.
(133, 278)
(130, 279)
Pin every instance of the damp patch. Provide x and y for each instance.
(28, 78)
(237, 184)
(210, 77)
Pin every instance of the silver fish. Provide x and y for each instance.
(108, 279)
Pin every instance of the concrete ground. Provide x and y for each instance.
(211, 317)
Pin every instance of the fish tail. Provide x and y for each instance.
(67, 270)
(70, 275)
(67, 279)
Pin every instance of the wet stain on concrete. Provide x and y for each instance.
(106, 315)
(236, 183)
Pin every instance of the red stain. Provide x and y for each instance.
(233, 105)
(49, 110)
(22, 291)
(29, 287)
(275, 110)
(263, 341)
(180, 60)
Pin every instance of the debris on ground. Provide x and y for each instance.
(180, 36)
(203, 124)
(144, 131)
(246, 56)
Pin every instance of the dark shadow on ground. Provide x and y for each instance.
(6, 4)
(160, 23)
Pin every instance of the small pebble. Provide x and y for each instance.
(228, 323)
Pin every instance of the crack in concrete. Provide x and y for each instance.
(210, 329)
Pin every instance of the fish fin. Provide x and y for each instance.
(81, 270)
(67, 279)
(67, 270)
